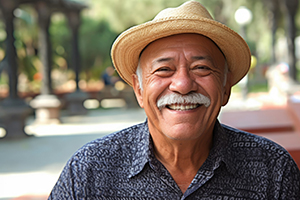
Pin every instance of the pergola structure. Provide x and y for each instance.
(13, 110)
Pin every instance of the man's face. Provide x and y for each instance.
(182, 64)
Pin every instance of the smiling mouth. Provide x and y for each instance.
(183, 107)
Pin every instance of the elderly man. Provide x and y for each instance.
(182, 65)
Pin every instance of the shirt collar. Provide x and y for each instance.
(221, 151)
(141, 147)
(143, 150)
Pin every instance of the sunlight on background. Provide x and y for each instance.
(34, 183)
(105, 103)
(113, 103)
(2, 132)
(75, 129)
(91, 104)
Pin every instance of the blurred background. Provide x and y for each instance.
(59, 90)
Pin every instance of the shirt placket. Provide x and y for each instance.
(165, 176)
(199, 180)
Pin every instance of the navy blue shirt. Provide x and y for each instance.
(122, 165)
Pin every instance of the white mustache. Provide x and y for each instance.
(175, 98)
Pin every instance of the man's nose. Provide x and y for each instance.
(183, 82)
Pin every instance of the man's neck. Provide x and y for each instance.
(182, 158)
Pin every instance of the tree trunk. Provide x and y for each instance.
(274, 7)
(291, 10)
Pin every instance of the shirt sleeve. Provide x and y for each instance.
(285, 178)
(290, 183)
(69, 182)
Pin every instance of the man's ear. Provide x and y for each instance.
(227, 89)
(137, 90)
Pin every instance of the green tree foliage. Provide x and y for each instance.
(122, 14)
(60, 36)
(26, 41)
(96, 38)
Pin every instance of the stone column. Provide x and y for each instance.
(75, 100)
(46, 104)
(44, 15)
(13, 110)
(7, 8)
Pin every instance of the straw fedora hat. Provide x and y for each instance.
(190, 17)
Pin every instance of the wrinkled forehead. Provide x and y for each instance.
(166, 40)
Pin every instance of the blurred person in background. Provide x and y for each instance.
(108, 76)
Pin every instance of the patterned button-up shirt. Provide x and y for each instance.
(122, 165)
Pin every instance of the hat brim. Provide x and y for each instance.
(128, 46)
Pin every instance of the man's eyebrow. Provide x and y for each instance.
(195, 58)
(207, 57)
(202, 58)
(160, 60)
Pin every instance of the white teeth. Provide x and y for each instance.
(182, 107)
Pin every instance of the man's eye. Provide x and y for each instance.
(202, 70)
(202, 67)
(163, 69)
